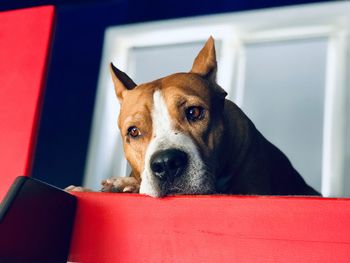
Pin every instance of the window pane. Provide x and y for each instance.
(150, 63)
(347, 156)
(284, 97)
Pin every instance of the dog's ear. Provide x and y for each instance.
(205, 62)
(205, 65)
(122, 82)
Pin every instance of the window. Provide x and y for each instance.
(286, 68)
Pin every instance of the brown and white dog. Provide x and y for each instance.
(181, 136)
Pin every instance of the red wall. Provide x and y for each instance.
(24, 45)
(135, 228)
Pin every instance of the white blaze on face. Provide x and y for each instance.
(165, 137)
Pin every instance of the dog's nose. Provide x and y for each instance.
(168, 164)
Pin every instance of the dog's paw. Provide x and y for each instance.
(120, 185)
(73, 188)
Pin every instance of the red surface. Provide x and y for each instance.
(24, 45)
(135, 228)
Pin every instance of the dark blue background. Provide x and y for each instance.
(74, 66)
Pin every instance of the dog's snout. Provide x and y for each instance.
(168, 164)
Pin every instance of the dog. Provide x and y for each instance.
(182, 136)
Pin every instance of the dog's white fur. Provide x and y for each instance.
(166, 137)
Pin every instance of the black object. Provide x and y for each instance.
(36, 222)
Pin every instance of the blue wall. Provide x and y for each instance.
(74, 67)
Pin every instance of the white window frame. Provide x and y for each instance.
(234, 31)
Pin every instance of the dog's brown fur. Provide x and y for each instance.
(240, 159)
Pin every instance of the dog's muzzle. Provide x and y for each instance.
(168, 164)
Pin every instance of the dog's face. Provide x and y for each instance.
(172, 127)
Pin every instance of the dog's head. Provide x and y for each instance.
(172, 127)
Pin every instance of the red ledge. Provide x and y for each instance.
(136, 228)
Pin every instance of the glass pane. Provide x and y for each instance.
(284, 97)
(347, 156)
(150, 63)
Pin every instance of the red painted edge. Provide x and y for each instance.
(25, 37)
(134, 228)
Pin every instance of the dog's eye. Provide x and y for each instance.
(133, 132)
(194, 113)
